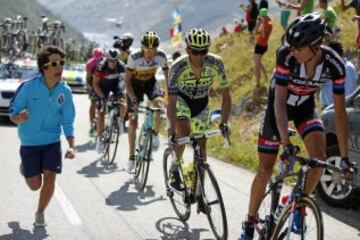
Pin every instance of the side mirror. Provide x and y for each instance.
(356, 103)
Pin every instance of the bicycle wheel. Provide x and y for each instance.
(213, 203)
(311, 224)
(106, 138)
(113, 139)
(142, 164)
(179, 199)
(266, 213)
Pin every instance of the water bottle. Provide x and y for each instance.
(281, 205)
(187, 169)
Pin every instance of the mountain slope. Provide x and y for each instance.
(139, 16)
(33, 10)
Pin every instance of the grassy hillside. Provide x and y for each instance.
(33, 10)
(237, 52)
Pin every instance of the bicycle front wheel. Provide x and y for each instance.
(213, 203)
(113, 140)
(179, 199)
(308, 225)
(142, 164)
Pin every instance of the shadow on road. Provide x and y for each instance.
(90, 145)
(347, 216)
(173, 228)
(125, 200)
(97, 168)
(19, 234)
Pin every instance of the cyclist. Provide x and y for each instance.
(107, 78)
(96, 57)
(190, 79)
(140, 79)
(123, 45)
(302, 65)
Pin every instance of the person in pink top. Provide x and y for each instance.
(97, 56)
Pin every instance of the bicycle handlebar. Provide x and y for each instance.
(208, 134)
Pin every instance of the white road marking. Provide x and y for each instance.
(69, 210)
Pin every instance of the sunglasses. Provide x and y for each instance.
(54, 63)
(199, 52)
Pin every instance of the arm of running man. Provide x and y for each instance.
(68, 118)
(18, 104)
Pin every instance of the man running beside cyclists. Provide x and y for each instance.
(302, 65)
(107, 77)
(96, 57)
(140, 80)
(190, 79)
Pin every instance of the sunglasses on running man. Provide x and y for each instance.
(55, 63)
(199, 52)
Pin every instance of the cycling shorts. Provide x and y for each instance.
(305, 118)
(195, 110)
(149, 87)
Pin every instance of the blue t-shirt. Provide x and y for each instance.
(48, 111)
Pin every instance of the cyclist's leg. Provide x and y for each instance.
(183, 126)
(200, 124)
(155, 95)
(119, 92)
(311, 130)
(133, 124)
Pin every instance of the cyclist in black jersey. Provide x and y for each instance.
(107, 78)
(302, 64)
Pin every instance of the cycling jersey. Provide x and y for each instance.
(90, 69)
(143, 70)
(193, 94)
(292, 74)
(110, 79)
(300, 101)
(182, 79)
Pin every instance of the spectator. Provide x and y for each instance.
(303, 7)
(252, 12)
(41, 107)
(264, 4)
(326, 91)
(356, 5)
(223, 32)
(285, 12)
(328, 14)
(236, 27)
(263, 31)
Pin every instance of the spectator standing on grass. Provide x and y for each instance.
(252, 12)
(263, 31)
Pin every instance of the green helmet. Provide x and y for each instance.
(197, 39)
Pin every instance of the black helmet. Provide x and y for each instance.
(306, 30)
(117, 44)
(127, 41)
(150, 40)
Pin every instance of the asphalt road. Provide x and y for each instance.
(96, 202)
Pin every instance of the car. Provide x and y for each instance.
(332, 188)
(12, 74)
(75, 76)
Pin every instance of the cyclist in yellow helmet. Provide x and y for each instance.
(140, 80)
(190, 79)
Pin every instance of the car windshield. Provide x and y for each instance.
(11, 70)
(79, 68)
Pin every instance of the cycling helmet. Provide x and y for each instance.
(118, 44)
(97, 52)
(112, 54)
(197, 39)
(127, 40)
(306, 30)
(150, 40)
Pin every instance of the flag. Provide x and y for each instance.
(176, 30)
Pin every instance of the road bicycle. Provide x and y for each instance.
(203, 188)
(112, 129)
(298, 216)
(143, 149)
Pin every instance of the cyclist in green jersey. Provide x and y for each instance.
(190, 79)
